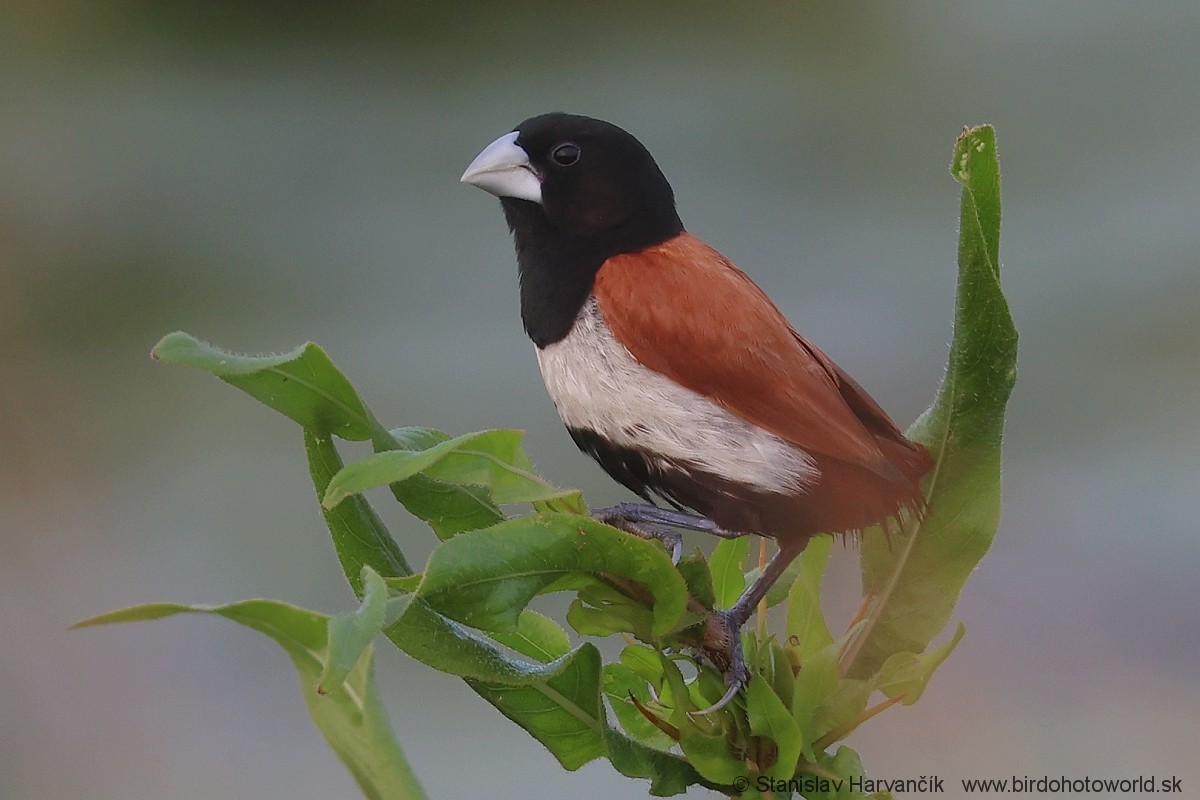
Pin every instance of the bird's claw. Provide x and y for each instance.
(729, 650)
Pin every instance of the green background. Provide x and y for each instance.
(261, 174)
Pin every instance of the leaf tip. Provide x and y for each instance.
(971, 143)
(166, 343)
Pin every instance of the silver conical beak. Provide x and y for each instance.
(503, 169)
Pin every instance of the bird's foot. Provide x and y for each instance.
(645, 513)
(652, 522)
(645, 530)
(723, 647)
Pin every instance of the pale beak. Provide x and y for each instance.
(503, 169)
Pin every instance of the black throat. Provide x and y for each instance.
(557, 269)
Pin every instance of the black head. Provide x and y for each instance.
(575, 191)
(578, 177)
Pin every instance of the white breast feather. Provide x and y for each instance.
(597, 384)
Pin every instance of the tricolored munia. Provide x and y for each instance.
(677, 373)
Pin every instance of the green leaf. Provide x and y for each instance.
(536, 636)
(806, 629)
(505, 468)
(728, 565)
(563, 713)
(817, 680)
(645, 662)
(556, 702)
(484, 578)
(350, 635)
(842, 709)
(349, 714)
(359, 536)
(305, 386)
(601, 610)
(907, 674)
(360, 539)
(447, 508)
(669, 774)
(526, 692)
(449, 647)
(778, 591)
(769, 661)
(302, 384)
(769, 718)
(397, 465)
(915, 579)
(846, 765)
(621, 683)
(712, 755)
(493, 459)
(696, 575)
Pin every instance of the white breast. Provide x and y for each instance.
(596, 384)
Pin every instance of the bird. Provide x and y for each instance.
(674, 371)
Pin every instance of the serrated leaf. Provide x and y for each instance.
(305, 386)
(644, 662)
(359, 536)
(563, 713)
(728, 567)
(620, 683)
(817, 680)
(349, 715)
(778, 590)
(806, 629)
(556, 702)
(302, 384)
(506, 469)
(395, 466)
(448, 509)
(669, 774)
(536, 636)
(449, 647)
(916, 578)
(351, 634)
(711, 755)
(592, 613)
(484, 578)
(493, 459)
(841, 708)
(696, 575)
(771, 719)
(769, 661)
(847, 766)
(512, 685)
(906, 675)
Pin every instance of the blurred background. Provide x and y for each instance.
(261, 174)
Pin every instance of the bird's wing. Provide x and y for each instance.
(685, 311)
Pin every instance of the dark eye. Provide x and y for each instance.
(565, 154)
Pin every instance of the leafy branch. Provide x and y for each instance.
(466, 613)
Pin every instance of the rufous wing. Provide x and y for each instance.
(685, 311)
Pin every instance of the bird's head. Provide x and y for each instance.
(575, 178)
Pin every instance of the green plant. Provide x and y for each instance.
(466, 612)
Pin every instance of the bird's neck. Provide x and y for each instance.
(556, 273)
(557, 269)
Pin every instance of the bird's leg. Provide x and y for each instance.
(647, 521)
(729, 623)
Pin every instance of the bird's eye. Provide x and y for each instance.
(565, 154)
